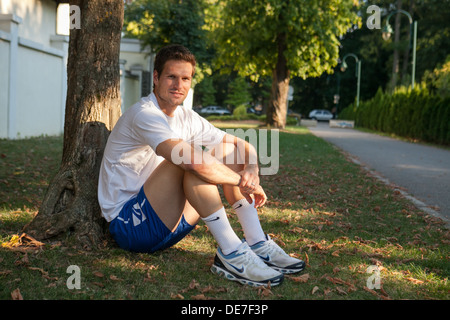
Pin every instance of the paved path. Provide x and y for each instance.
(423, 171)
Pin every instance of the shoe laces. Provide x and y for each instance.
(250, 256)
(271, 247)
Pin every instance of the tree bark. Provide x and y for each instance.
(70, 206)
(277, 111)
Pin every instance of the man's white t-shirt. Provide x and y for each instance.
(129, 157)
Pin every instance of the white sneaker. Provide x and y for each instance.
(276, 258)
(244, 266)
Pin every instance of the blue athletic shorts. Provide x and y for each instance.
(138, 228)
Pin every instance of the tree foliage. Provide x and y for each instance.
(161, 22)
(279, 38)
(247, 30)
(239, 93)
(205, 93)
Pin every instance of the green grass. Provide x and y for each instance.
(321, 208)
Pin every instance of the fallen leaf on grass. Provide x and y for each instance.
(201, 297)
(177, 296)
(376, 294)
(335, 253)
(264, 291)
(415, 281)
(350, 286)
(114, 278)
(326, 291)
(194, 284)
(22, 243)
(340, 290)
(98, 274)
(99, 284)
(314, 290)
(302, 279)
(16, 295)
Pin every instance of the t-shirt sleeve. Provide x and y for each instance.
(203, 132)
(152, 129)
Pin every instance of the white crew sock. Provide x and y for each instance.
(221, 230)
(249, 220)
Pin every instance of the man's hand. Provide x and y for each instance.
(259, 197)
(250, 186)
(249, 179)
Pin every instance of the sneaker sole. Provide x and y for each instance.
(288, 270)
(227, 274)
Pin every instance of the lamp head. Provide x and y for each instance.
(387, 31)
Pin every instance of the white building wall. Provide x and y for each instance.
(4, 87)
(33, 75)
(39, 93)
(38, 18)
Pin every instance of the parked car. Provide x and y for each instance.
(254, 111)
(214, 110)
(320, 115)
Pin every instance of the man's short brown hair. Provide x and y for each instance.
(173, 52)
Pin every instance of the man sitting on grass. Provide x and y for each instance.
(153, 201)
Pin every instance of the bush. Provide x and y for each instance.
(240, 112)
(414, 114)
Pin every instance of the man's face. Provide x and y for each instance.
(173, 84)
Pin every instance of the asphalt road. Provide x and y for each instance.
(422, 171)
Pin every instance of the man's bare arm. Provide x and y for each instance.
(195, 160)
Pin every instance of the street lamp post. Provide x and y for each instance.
(387, 31)
(344, 67)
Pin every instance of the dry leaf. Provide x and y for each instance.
(341, 291)
(98, 274)
(22, 243)
(99, 284)
(307, 260)
(264, 291)
(194, 284)
(16, 295)
(114, 278)
(177, 296)
(373, 292)
(415, 281)
(314, 290)
(302, 279)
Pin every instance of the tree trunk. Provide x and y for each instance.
(277, 112)
(70, 206)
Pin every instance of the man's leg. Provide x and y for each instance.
(248, 217)
(172, 192)
(245, 211)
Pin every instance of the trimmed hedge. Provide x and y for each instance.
(414, 114)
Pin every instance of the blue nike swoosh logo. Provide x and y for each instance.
(266, 258)
(240, 270)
